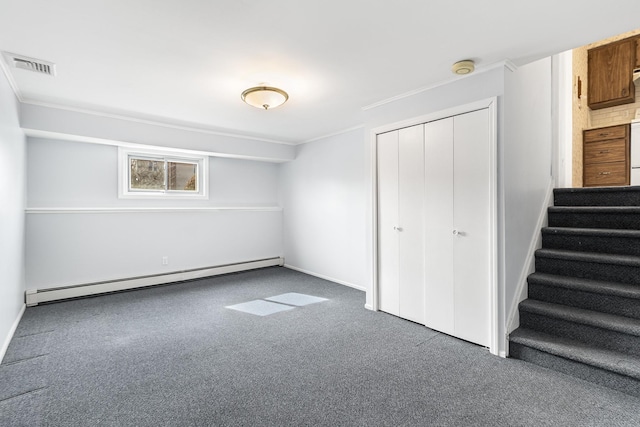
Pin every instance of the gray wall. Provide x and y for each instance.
(78, 231)
(12, 202)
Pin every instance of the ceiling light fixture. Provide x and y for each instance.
(264, 97)
(463, 67)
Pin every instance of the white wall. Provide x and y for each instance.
(465, 90)
(42, 121)
(524, 162)
(12, 202)
(323, 194)
(78, 231)
(527, 170)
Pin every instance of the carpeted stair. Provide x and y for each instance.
(582, 316)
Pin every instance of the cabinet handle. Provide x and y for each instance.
(624, 92)
(604, 173)
(603, 134)
(604, 151)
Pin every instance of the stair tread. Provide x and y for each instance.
(612, 322)
(595, 209)
(596, 257)
(587, 285)
(609, 360)
(601, 232)
(587, 190)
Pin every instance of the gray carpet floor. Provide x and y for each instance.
(175, 356)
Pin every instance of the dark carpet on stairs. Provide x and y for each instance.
(175, 356)
(582, 315)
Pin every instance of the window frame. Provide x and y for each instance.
(167, 156)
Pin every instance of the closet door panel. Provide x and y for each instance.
(439, 296)
(388, 269)
(472, 246)
(411, 222)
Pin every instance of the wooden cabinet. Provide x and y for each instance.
(637, 52)
(606, 156)
(611, 74)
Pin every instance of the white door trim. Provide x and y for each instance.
(491, 105)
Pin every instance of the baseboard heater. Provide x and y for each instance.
(36, 296)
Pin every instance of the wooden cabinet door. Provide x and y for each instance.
(610, 74)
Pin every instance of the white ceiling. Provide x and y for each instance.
(187, 61)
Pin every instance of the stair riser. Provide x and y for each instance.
(589, 270)
(620, 306)
(620, 197)
(583, 243)
(612, 340)
(589, 373)
(618, 221)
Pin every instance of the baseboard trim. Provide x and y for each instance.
(322, 276)
(12, 331)
(513, 321)
(37, 296)
(369, 307)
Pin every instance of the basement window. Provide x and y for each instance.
(157, 174)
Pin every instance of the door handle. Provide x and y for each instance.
(395, 227)
(458, 233)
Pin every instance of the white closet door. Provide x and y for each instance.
(471, 217)
(388, 270)
(439, 295)
(411, 222)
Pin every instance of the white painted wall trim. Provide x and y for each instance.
(12, 331)
(58, 136)
(35, 296)
(513, 320)
(563, 79)
(72, 210)
(322, 276)
(498, 346)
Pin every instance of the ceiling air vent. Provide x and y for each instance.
(31, 64)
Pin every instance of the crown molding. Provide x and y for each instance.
(329, 135)
(506, 63)
(151, 122)
(59, 136)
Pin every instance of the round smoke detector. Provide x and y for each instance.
(463, 67)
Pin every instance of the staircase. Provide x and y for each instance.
(582, 316)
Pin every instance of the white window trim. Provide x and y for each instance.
(123, 174)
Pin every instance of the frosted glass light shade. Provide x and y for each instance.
(264, 97)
